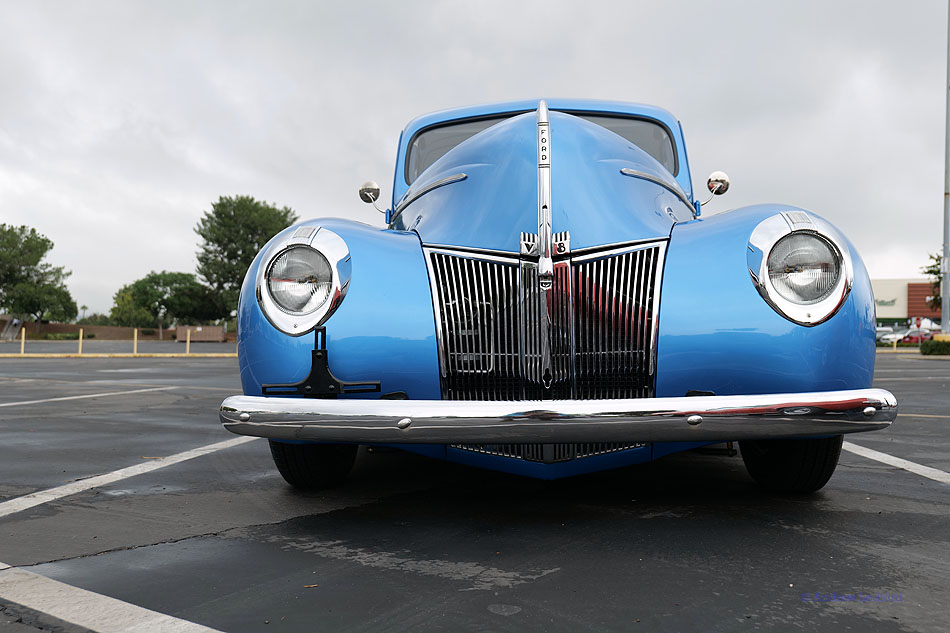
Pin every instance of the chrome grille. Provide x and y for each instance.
(614, 324)
(548, 453)
(601, 325)
(479, 327)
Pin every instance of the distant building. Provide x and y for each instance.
(901, 299)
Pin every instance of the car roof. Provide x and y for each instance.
(529, 105)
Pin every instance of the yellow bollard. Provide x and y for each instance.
(187, 341)
(80, 341)
(22, 341)
(135, 341)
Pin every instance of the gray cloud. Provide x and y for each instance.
(121, 122)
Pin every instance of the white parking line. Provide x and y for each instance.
(45, 496)
(88, 395)
(87, 609)
(915, 379)
(897, 462)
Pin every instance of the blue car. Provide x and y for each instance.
(548, 299)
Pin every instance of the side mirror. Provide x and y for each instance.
(369, 193)
(718, 184)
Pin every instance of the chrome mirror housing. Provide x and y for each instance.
(718, 183)
(369, 192)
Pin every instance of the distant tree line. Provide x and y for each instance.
(231, 233)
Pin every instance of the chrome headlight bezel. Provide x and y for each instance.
(764, 238)
(332, 248)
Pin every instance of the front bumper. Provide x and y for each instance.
(693, 419)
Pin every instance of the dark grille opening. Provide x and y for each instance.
(548, 453)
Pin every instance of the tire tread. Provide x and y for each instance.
(791, 465)
(313, 466)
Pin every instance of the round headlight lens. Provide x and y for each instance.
(804, 268)
(299, 280)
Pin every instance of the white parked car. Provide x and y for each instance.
(893, 337)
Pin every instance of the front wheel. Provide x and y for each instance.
(791, 465)
(313, 466)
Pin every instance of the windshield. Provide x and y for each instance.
(431, 144)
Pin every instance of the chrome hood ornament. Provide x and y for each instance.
(545, 237)
(545, 230)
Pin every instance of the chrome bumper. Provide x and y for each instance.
(695, 419)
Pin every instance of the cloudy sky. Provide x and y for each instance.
(121, 122)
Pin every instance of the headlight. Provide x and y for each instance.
(801, 266)
(303, 278)
(299, 280)
(804, 267)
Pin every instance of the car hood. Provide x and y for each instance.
(497, 199)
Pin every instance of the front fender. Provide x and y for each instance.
(717, 334)
(384, 329)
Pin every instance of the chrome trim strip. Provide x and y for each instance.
(669, 186)
(580, 254)
(470, 251)
(409, 199)
(435, 291)
(504, 258)
(702, 418)
(545, 228)
(657, 286)
(606, 250)
(588, 255)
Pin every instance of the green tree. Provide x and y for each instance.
(932, 270)
(28, 285)
(232, 234)
(159, 299)
(125, 311)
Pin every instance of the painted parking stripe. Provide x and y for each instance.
(915, 379)
(897, 462)
(88, 395)
(87, 609)
(45, 496)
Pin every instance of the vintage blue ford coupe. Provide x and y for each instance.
(547, 298)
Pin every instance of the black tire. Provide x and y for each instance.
(791, 465)
(313, 466)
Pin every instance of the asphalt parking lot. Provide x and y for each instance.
(215, 538)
